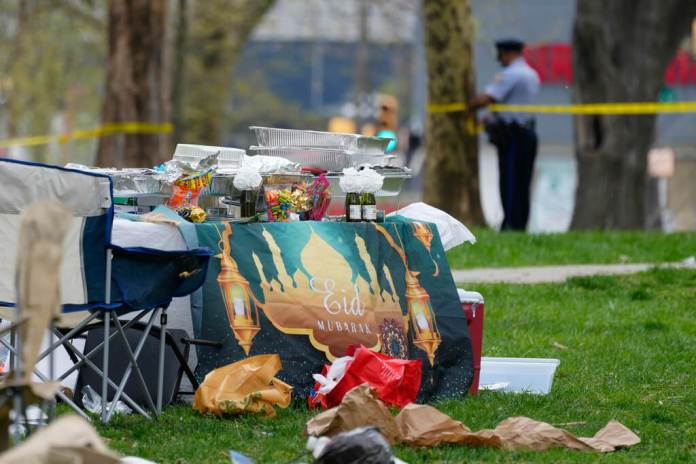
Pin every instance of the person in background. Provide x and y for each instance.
(388, 120)
(513, 134)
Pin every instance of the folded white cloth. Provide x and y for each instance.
(452, 232)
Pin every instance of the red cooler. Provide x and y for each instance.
(472, 304)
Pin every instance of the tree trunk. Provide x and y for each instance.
(136, 83)
(451, 165)
(219, 30)
(14, 69)
(621, 49)
(180, 49)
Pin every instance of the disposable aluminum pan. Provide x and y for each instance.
(316, 158)
(273, 137)
(131, 182)
(327, 159)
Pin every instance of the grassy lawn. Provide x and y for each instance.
(627, 347)
(494, 249)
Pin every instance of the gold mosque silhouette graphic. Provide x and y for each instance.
(329, 304)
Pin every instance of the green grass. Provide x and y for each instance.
(627, 347)
(495, 249)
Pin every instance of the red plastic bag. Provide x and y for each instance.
(396, 381)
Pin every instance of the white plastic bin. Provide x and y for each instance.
(516, 375)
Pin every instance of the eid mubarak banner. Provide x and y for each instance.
(309, 290)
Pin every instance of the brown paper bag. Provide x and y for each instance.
(423, 425)
(67, 440)
(247, 386)
(360, 407)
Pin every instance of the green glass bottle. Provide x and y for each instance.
(353, 208)
(248, 203)
(368, 205)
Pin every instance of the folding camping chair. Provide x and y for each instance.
(96, 276)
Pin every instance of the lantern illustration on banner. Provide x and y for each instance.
(241, 306)
(424, 235)
(420, 311)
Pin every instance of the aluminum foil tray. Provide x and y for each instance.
(133, 182)
(316, 158)
(273, 137)
(323, 158)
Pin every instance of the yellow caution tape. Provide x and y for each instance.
(446, 107)
(584, 108)
(132, 127)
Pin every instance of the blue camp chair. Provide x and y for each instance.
(106, 280)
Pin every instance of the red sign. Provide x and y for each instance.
(554, 63)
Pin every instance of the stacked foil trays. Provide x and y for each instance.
(333, 152)
(321, 150)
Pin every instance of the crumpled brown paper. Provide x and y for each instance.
(423, 425)
(247, 386)
(359, 407)
(68, 440)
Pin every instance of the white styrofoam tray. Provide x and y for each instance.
(532, 375)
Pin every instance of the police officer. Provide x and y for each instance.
(513, 134)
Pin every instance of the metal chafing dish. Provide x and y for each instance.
(221, 198)
(394, 179)
(223, 184)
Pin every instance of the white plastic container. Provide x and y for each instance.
(517, 375)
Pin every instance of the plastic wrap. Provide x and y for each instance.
(247, 178)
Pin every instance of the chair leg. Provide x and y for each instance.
(184, 368)
(94, 351)
(12, 365)
(160, 373)
(18, 400)
(133, 364)
(105, 365)
(51, 406)
(43, 378)
(84, 360)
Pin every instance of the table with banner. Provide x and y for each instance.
(309, 290)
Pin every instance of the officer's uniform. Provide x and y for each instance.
(515, 137)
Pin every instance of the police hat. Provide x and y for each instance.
(509, 45)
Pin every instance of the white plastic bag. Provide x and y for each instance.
(334, 375)
(452, 232)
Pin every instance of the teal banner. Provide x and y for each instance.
(309, 290)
